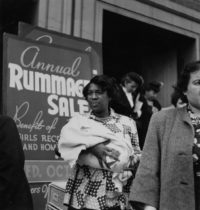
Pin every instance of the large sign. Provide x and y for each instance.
(48, 36)
(42, 89)
(44, 73)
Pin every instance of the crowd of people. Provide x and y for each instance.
(137, 100)
(126, 153)
(168, 174)
(162, 163)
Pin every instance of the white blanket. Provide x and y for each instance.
(81, 133)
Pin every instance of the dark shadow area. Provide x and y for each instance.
(127, 42)
(13, 11)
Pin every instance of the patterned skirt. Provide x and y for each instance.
(94, 189)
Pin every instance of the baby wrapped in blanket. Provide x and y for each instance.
(81, 133)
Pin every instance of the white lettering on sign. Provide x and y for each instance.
(50, 138)
(32, 53)
(47, 147)
(56, 171)
(39, 82)
(21, 112)
(38, 123)
(35, 190)
(41, 189)
(33, 171)
(65, 106)
(45, 190)
(46, 170)
(28, 137)
(30, 147)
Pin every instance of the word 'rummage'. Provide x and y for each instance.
(45, 83)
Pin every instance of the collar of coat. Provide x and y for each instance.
(184, 116)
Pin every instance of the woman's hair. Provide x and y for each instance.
(132, 76)
(154, 85)
(176, 95)
(183, 80)
(106, 83)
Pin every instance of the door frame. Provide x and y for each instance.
(186, 23)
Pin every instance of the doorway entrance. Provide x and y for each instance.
(154, 53)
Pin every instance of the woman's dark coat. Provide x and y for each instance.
(14, 189)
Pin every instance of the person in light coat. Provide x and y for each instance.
(168, 176)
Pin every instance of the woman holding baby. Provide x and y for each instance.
(102, 149)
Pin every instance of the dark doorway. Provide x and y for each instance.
(153, 52)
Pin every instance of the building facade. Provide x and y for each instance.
(155, 38)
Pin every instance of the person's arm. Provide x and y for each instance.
(101, 151)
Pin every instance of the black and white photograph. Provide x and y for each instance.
(100, 105)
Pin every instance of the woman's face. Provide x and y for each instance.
(131, 86)
(193, 91)
(98, 100)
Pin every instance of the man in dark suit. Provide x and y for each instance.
(14, 189)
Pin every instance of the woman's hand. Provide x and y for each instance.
(102, 150)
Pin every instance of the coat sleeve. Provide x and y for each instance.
(145, 187)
